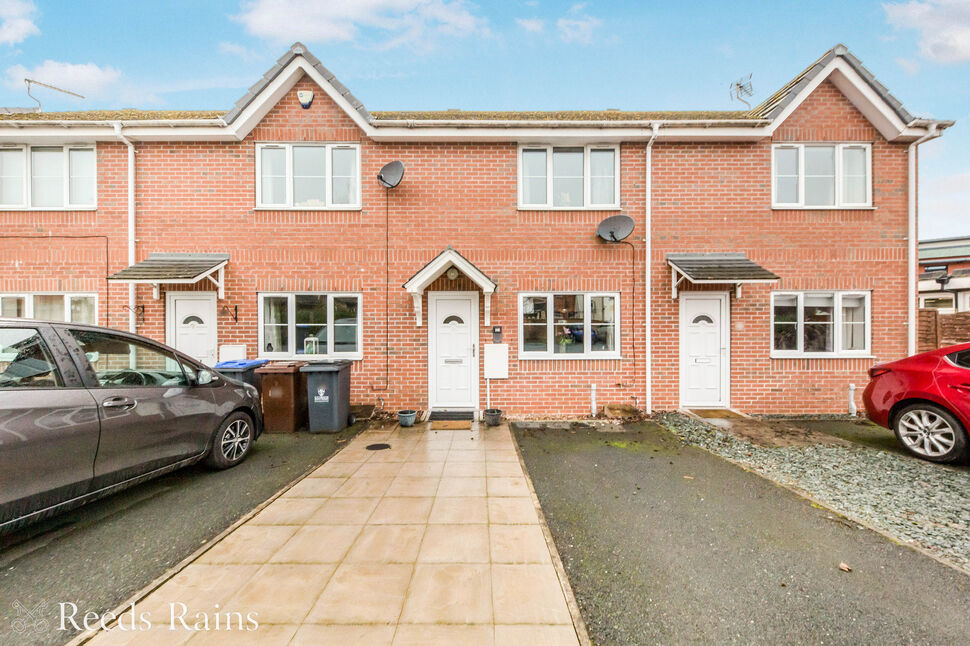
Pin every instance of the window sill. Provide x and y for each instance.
(526, 207)
(821, 355)
(567, 357)
(781, 207)
(305, 209)
(15, 209)
(358, 356)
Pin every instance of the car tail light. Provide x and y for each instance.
(875, 371)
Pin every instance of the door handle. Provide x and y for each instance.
(963, 388)
(119, 402)
(473, 349)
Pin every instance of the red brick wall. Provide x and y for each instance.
(708, 197)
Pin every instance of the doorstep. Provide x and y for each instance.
(435, 540)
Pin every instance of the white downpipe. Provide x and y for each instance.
(647, 274)
(132, 319)
(852, 407)
(592, 400)
(913, 294)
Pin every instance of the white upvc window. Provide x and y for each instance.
(821, 324)
(569, 325)
(51, 306)
(569, 177)
(821, 176)
(48, 178)
(943, 302)
(310, 325)
(309, 177)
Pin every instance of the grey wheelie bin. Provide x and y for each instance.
(328, 395)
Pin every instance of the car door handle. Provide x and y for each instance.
(119, 402)
(963, 388)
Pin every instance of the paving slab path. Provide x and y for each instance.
(435, 540)
(669, 544)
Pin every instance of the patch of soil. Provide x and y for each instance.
(775, 433)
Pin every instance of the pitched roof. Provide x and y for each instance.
(732, 267)
(127, 114)
(558, 115)
(297, 49)
(777, 102)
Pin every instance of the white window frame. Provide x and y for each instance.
(289, 206)
(586, 206)
(838, 352)
(839, 203)
(291, 325)
(550, 324)
(943, 310)
(68, 297)
(26, 205)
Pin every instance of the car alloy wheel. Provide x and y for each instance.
(926, 433)
(235, 441)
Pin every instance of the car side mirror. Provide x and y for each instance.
(205, 377)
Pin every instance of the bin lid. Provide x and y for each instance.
(280, 367)
(241, 364)
(326, 366)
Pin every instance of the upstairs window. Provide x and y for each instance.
(821, 176)
(48, 178)
(569, 177)
(820, 324)
(308, 176)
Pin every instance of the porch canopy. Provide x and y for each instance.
(176, 268)
(443, 262)
(732, 268)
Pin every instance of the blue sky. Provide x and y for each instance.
(531, 54)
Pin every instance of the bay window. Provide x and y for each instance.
(48, 177)
(305, 325)
(819, 176)
(569, 177)
(569, 325)
(308, 176)
(811, 324)
(73, 308)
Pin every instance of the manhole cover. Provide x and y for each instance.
(378, 447)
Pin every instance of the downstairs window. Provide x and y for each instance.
(820, 324)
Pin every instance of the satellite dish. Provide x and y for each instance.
(615, 228)
(391, 175)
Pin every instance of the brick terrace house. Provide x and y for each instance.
(772, 258)
(944, 279)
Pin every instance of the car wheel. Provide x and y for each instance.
(232, 442)
(931, 432)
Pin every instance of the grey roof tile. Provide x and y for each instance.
(163, 267)
(732, 267)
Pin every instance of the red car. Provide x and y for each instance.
(925, 400)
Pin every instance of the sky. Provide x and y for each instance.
(509, 55)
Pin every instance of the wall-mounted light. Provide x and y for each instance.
(452, 273)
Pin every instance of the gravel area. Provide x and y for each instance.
(916, 502)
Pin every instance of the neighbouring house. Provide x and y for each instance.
(944, 274)
(772, 259)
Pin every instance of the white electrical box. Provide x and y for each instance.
(496, 360)
(229, 352)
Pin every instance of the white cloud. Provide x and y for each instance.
(402, 22)
(17, 21)
(909, 66)
(533, 25)
(239, 51)
(87, 79)
(943, 26)
(579, 29)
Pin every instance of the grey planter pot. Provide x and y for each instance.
(406, 417)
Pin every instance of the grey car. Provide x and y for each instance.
(86, 411)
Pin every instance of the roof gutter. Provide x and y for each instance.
(912, 264)
(540, 123)
(132, 319)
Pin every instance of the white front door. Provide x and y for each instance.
(452, 349)
(704, 350)
(191, 326)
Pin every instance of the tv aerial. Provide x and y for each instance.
(742, 88)
(29, 82)
(615, 228)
